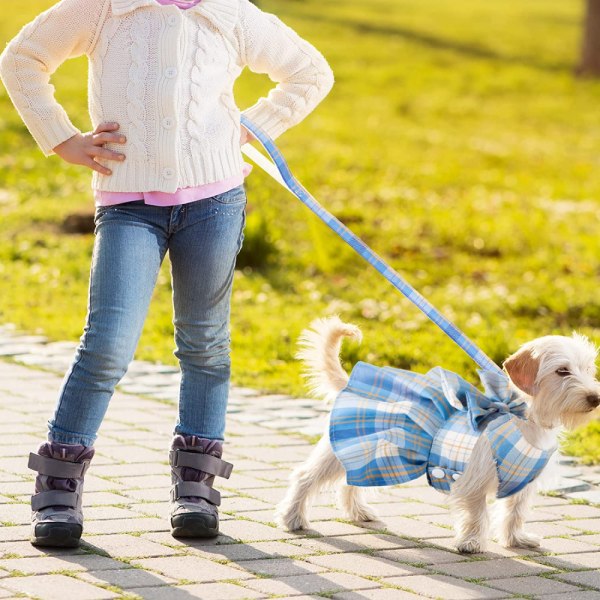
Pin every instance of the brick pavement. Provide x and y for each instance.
(129, 553)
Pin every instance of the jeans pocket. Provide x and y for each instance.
(235, 196)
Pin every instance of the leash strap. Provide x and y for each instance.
(279, 170)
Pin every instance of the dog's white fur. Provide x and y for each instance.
(556, 376)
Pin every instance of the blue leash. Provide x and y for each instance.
(287, 179)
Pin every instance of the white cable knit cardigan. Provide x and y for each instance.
(166, 76)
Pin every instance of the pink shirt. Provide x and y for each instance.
(182, 195)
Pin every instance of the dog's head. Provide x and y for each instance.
(558, 373)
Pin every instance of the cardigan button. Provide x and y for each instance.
(168, 122)
(438, 473)
(172, 20)
(170, 72)
(168, 173)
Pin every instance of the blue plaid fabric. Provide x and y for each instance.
(390, 426)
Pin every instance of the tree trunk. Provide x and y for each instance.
(590, 55)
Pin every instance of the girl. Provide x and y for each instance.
(160, 87)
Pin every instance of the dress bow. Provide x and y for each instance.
(499, 397)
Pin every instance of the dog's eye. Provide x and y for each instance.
(563, 372)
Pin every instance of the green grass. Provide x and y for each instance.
(456, 142)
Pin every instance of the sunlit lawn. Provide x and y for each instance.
(456, 142)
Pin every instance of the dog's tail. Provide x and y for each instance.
(320, 350)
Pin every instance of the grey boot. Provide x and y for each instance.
(56, 515)
(194, 463)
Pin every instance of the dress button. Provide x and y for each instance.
(172, 20)
(438, 473)
(168, 173)
(456, 476)
(170, 72)
(168, 122)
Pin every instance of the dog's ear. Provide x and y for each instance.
(522, 368)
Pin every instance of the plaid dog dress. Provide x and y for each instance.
(390, 426)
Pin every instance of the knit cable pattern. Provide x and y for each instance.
(138, 74)
(107, 34)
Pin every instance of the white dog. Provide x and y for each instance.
(554, 375)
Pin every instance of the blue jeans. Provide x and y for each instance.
(203, 239)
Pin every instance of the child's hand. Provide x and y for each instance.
(82, 149)
(245, 136)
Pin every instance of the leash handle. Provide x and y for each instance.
(279, 170)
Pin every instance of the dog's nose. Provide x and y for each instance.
(593, 399)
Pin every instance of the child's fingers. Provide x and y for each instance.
(106, 126)
(100, 152)
(103, 138)
(95, 166)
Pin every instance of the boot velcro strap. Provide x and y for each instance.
(203, 462)
(53, 498)
(55, 467)
(195, 488)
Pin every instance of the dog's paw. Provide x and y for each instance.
(291, 521)
(468, 545)
(520, 539)
(362, 514)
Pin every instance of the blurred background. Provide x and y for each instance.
(460, 142)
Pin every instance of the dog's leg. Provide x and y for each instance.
(320, 469)
(468, 499)
(352, 501)
(511, 515)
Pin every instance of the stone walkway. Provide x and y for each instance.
(129, 553)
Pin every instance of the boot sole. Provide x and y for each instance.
(194, 526)
(57, 535)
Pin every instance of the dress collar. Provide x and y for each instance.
(222, 14)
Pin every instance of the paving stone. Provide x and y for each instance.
(125, 525)
(280, 567)
(587, 578)
(6, 595)
(16, 533)
(414, 528)
(108, 512)
(592, 525)
(589, 595)
(354, 543)
(363, 565)
(567, 545)
(407, 508)
(134, 469)
(311, 584)
(494, 569)
(192, 568)
(126, 578)
(24, 548)
(56, 587)
(448, 588)
(248, 531)
(16, 513)
(208, 591)
(532, 585)
(380, 594)
(546, 529)
(102, 498)
(426, 556)
(584, 560)
(593, 539)
(492, 549)
(592, 496)
(250, 551)
(575, 511)
(335, 528)
(127, 546)
(47, 564)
